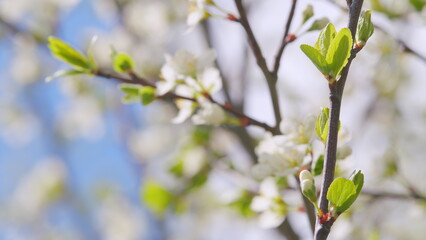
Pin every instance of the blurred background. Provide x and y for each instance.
(75, 161)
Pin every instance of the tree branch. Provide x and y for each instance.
(261, 62)
(336, 92)
(284, 40)
(228, 108)
(410, 196)
(286, 230)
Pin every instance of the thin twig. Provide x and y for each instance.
(271, 79)
(241, 132)
(284, 40)
(138, 80)
(336, 92)
(208, 38)
(410, 196)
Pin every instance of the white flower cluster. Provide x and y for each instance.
(193, 77)
(270, 204)
(283, 155)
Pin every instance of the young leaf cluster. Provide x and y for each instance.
(331, 51)
(64, 52)
(365, 29)
(137, 93)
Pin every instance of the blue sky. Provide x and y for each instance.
(90, 163)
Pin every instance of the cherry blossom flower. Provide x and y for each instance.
(197, 12)
(270, 204)
(184, 65)
(209, 113)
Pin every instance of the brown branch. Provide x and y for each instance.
(287, 230)
(336, 93)
(172, 96)
(410, 196)
(261, 62)
(284, 40)
(241, 132)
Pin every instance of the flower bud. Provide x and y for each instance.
(306, 175)
(307, 185)
(365, 29)
(308, 190)
(307, 13)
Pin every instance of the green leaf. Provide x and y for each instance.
(365, 28)
(177, 169)
(307, 13)
(321, 125)
(147, 95)
(341, 193)
(156, 197)
(90, 53)
(202, 134)
(319, 24)
(418, 4)
(68, 54)
(325, 38)
(339, 52)
(198, 180)
(315, 56)
(358, 180)
(123, 63)
(319, 165)
(64, 73)
(132, 92)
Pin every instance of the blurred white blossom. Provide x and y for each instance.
(209, 113)
(270, 204)
(298, 132)
(192, 77)
(17, 126)
(81, 118)
(119, 220)
(282, 155)
(197, 12)
(185, 66)
(42, 185)
(278, 157)
(148, 19)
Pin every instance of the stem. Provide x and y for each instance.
(271, 79)
(336, 92)
(286, 230)
(138, 80)
(284, 41)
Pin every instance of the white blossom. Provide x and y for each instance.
(298, 132)
(186, 67)
(197, 12)
(270, 204)
(278, 157)
(209, 113)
